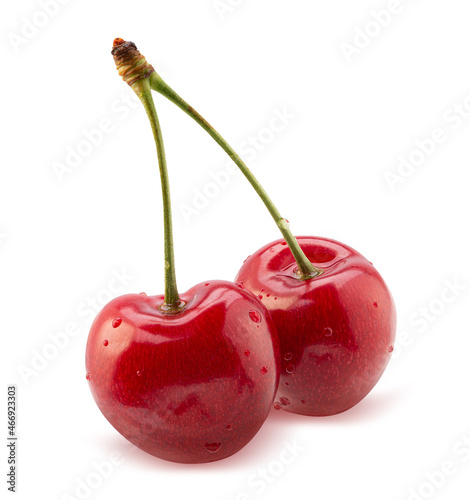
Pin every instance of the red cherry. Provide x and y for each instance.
(173, 384)
(336, 330)
(178, 372)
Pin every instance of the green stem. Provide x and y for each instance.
(172, 302)
(306, 268)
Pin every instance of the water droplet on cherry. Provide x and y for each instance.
(288, 356)
(272, 249)
(277, 406)
(284, 401)
(229, 427)
(139, 373)
(260, 297)
(303, 401)
(290, 368)
(375, 304)
(390, 349)
(212, 447)
(268, 295)
(240, 285)
(246, 259)
(247, 353)
(284, 243)
(275, 298)
(143, 293)
(206, 284)
(328, 331)
(264, 370)
(255, 316)
(105, 343)
(117, 322)
(88, 376)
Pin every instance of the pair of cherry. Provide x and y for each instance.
(308, 326)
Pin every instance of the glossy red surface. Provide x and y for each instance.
(336, 330)
(189, 387)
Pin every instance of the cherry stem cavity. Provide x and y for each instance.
(306, 269)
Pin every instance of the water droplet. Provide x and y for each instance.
(262, 290)
(268, 295)
(255, 316)
(287, 383)
(284, 401)
(139, 373)
(105, 343)
(290, 368)
(277, 406)
(246, 259)
(260, 297)
(88, 376)
(240, 284)
(328, 331)
(390, 349)
(117, 322)
(272, 249)
(264, 370)
(206, 284)
(303, 401)
(284, 243)
(229, 427)
(212, 447)
(275, 298)
(288, 356)
(247, 353)
(375, 304)
(143, 293)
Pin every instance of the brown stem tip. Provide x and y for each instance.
(130, 63)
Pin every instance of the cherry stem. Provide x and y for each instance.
(306, 269)
(172, 302)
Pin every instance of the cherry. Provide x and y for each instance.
(336, 330)
(181, 386)
(335, 316)
(188, 379)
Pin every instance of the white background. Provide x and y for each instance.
(63, 236)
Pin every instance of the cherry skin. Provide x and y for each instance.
(189, 387)
(336, 330)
